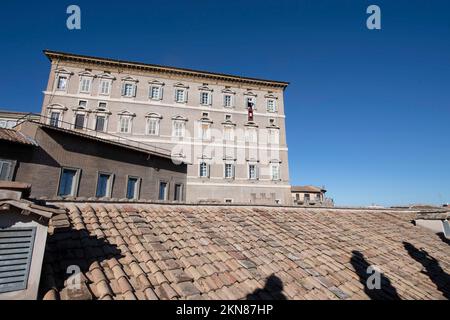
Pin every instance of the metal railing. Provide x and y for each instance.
(31, 117)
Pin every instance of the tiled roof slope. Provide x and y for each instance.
(11, 135)
(151, 251)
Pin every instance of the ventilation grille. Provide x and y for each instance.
(16, 248)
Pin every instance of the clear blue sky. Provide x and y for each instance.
(368, 112)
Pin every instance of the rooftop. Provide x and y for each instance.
(11, 135)
(55, 55)
(307, 189)
(154, 251)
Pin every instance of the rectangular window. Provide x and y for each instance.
(252, 173)
(227, 102)
(85, 85)
(180, 96)
(79, 121)
(162, 190)
(61, 83)
(205, 98)
(100, 123)
(153, 127)
(178, 129)
(250, 103)
(6, 170)
(68, 183)
(228, 200)
(275, 171)
(178, 196)
(273, 136)
(105, 87)
(271, 105)
(133, 188)
(104, 185)
(251, 135)
(155, 93)
(82, 103)
(125, 125)
(205, 132)
(228, 133)
(229, 170)
(128, 90)
(54, 118)
(203, 170)
(102, 105)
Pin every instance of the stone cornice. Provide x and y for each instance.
(61, 56)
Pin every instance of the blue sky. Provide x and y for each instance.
(368, 112)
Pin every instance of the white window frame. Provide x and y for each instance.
(150, 93)
(184, 90)
(122, 118)
(231, 96)
(274, 106)
(207, 168)
(256, 172)
(101, 86)
(230, 129)
(274, 177)
(58, 77)
(109, 186)
(233, 170)
(83, 113)
(273, 136)
(202, 134)
(75, 182)
(81, 84)
(182, 123)
(251, 132)
(156, 120)
(208, 98)
(137, 190)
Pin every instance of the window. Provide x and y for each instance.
(104, 185)
(318, 196)
(54, 118)
(100, 122)
(306, 197)
(7, 169)
(251, 135)
(82, 103)
(275, 171)
(271, 122)
(271, 107)
(229, 171)
(273, 136)
(102, 105)
(228, 200)
(228, 117)
(180, 95)
(250, 102)
(252, 172)
(105, 86)
(125, 124)
(68, 183)
(178, 129)
(205, 98)
(162, 190)
(205, 132)
(205, 115)
(85, 84)
(228, 133)
(61, 83)
(133, 188)
(227, 101)
(155, 93)
(153, 126)
(79, 121)
(128, 90)
(204, 170)
(178, 196)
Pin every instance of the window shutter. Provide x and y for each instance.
(134, 90)
(208, 168)
(123, 88)
(186, 96)
(257, 172)
(233, 170)
(210, 97)
(7, 170)
(161, 91)
(16, 248)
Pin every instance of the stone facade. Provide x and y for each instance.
(199, 116)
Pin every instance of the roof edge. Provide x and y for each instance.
(51, 54)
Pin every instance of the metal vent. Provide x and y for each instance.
(16, 248)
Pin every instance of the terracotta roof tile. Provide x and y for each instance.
(148, 251)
